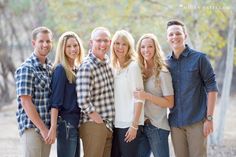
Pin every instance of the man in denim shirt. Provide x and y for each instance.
(33, 79)
(191, 118)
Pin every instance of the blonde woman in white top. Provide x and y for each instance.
(129, 113)
(158, 96)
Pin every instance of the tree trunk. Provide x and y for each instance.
(217, 137)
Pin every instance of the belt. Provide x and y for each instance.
(147, 122)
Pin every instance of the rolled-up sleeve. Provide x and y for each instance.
(166, 83)
(207, 74)
(84, 81)
(58, 87)
(24, 81)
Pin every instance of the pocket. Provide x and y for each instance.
(42, 82)
(192, 74)
(66, 130)
(195, 69)
(152, 127)
(71, 133)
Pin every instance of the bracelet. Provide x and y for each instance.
(134, 127)
(135, 123)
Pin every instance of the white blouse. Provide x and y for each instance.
(127, 81)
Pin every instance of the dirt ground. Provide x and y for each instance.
(10, 145)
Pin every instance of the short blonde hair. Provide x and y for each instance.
(127, 37)
(93, 34)
(61, 57)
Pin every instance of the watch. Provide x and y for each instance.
(209, 118)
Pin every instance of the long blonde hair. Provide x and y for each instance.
(61, 57)
(127, 37)
(158, 58)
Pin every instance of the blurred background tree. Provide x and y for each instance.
(209, 24)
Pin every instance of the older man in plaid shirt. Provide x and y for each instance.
(33, 88)
(96, 96)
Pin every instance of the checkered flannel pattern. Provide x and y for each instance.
(95, 90)
(33, 79)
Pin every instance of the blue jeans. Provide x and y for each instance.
(154, 139)
(68, 142)
(120, 148)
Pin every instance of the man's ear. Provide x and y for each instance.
(185, 35)
(33, 42)
(90, 43)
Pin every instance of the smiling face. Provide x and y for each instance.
(121, 48)
(71, 49)
(176, 37)
(42, 45)
(100, 44)
(147, 49)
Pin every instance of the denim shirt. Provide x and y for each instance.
(193, 77)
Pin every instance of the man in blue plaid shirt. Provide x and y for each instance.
(95, 91)
(33, 88)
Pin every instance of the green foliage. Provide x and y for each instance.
(19, 6)
(207, 21)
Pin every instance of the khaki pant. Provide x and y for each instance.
(33, 145)
(97, 139)
(189, 141)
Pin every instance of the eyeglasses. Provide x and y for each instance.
(100, 41)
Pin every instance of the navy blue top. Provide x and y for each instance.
(64, 96)
(193, 77)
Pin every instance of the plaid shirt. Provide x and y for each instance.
(95, 89)
(33, 79)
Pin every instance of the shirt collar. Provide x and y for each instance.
(185, 53)
(97, 60)
(36, 61)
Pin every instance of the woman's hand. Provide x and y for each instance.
(52, 135)
(131, 134)
(140, 94)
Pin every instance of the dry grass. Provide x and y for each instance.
(10, 145)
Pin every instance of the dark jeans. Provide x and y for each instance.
(120, 148)
(154, 139)
(68, 142)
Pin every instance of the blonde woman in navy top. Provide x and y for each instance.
(64, 108)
